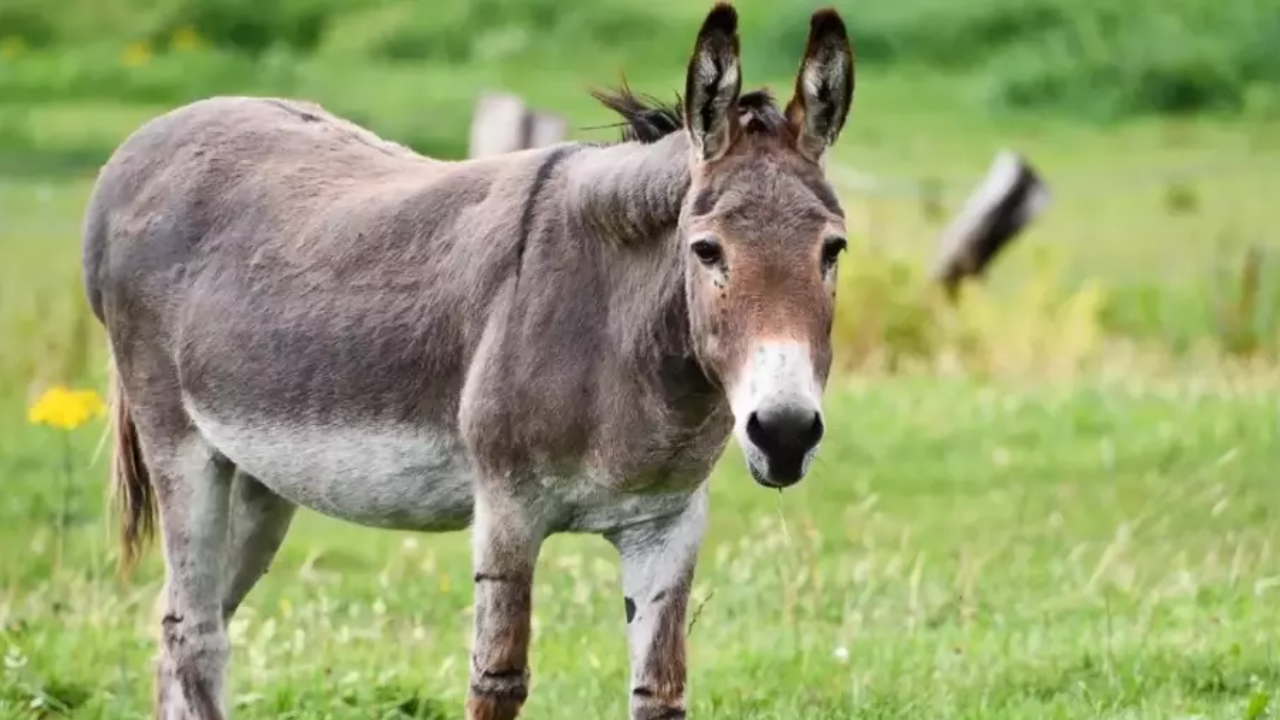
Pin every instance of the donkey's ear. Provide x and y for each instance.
(824, 87)
(713, 83)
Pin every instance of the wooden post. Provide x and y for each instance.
(1011, 195)
(502, 124)
(497, 126)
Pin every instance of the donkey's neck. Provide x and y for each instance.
(632, 192)
(629, 198)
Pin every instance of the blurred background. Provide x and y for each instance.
(1054, 498)
(1153, 123)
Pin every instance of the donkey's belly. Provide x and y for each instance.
(391, 476)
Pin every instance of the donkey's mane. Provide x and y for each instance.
(647, 119)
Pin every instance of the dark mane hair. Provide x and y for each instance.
(648, 119)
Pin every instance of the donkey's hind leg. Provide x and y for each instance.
(259, 521)
(193, 486)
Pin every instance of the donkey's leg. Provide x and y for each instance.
(192, 485)
(507, 536)
(259, 522)
(658, 560)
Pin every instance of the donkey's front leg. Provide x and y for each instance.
(658, 561)
(507, 536)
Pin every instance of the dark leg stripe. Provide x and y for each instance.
(485, 577)
(656, 713)
(518, 693)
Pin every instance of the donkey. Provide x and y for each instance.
(562, 339)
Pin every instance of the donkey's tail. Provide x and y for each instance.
(131, 490)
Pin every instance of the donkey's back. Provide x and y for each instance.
(267, 174)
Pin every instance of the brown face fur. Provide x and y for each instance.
(763, 237)
(763, 231)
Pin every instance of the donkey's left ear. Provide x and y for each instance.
(824, 87)
(712, 84)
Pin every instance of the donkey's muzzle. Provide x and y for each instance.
(785, 437)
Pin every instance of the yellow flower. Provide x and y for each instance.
(185, 38)
(66, 409)
(135, 54)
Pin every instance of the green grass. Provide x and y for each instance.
(961, 551)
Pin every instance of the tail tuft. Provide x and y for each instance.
(131, 491)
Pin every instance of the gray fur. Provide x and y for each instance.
(258, 524)
(304, 314)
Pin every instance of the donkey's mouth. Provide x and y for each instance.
(775, 474)
(773, 484)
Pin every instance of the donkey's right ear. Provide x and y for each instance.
(824, 87)
(713, 83)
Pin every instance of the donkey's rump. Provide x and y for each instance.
(190, 173)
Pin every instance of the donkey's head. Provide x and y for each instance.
(763, 231)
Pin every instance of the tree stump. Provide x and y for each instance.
(1010, 196)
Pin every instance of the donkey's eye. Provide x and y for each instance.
(831, 250)
(708, 251)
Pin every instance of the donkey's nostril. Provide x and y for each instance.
(816, 429)
(756, 432)
(785, 433)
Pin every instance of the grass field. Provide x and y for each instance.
(995, 533)
(962, 550)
